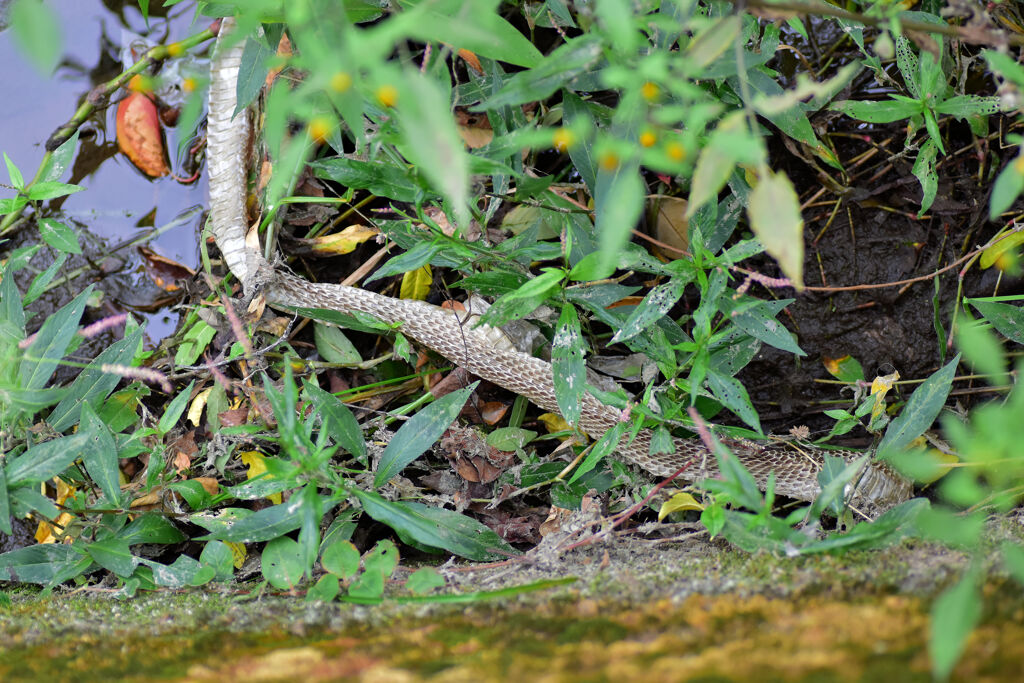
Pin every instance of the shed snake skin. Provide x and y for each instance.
(876, 489)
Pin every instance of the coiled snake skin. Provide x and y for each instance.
(878, 488)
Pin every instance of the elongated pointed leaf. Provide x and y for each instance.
(100, 455)
(51, 342)
(338, 420)
(420, 433)
(436, 527)
(921, 410)
(570, 373)
(92, 386)
(46, 460)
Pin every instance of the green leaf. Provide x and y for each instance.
(1013, 558)
(475, 26)
(886, 111)
(431, 141)
(921, 410)
(11, 309)
(44, 461)
(436, 527)
(59, 236)
(954, 615)
(714, 168)
(341, 558)
(524, 300)
(383, 559)
(325, 589)
(338, 420)
(581, 154)
(173, 411)
(40, 563)
(509, 439)
(12, 204)
(252, 71)
(570, 376)
(759, 321)
(194, 342)
(262, 525)
(1009, 320)
(1008, 186)
(52, 340)
(924, 171)
(114, 555)
(982, 350)
(733, 396)
(5, 505)
(334, 346)
(41, 281)
(424, 580)
(218, 556)
(93, 385)
(100, 455)
(54, 167)
(560, 67)
(601, 450)
(619, 204)
(368, 585)
(184, 571)
(150, 528)
(420, 433)
(379, 178)
(774, 211)
(282, 563)
(37, 32)
(653, 308)
(51, 189)
(311, 510)
(965, 106)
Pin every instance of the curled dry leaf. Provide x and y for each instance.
(139, 135)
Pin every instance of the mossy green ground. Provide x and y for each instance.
(637, 611)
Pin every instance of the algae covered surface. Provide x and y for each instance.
(637, 611)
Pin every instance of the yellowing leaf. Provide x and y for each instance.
(238, 553)
(416, 283)
(680, 501)
(257, 465)
(774, 211)
(846, 368)
(880, 386)
(195, 410)
(554, 422)
(45, 530)
(342, 242)
(992, 254)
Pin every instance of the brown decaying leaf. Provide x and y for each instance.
(233, 417)
(139, 135)
(163, 271)
(672, 228)
(474, 128)
(471, 61)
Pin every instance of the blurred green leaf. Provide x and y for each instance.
(37, 32)
(954, 615)
(774, 212)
